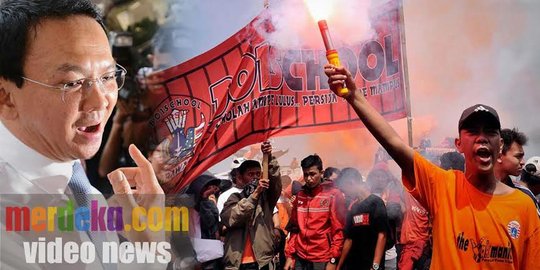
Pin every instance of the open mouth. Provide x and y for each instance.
(484, 154)
(89, 129)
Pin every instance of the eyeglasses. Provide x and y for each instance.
(109, 82)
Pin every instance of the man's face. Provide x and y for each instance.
(249, 175)
(312, 176)
(348, 188)
(60, 51)
(379, 180)
(512, 161)
(481, 146)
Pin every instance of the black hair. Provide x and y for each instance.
(528, 175)
(452, 160)
(18, 22)
(349, 175)
(225, 185)
(376, 184)
(310, 161)
(248, 164)
(329, 171)
(232, 174)
(510, 136)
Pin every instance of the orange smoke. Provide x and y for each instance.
(357, 147)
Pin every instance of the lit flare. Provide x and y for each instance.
(320, 10)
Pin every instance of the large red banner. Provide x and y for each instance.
(245, 90)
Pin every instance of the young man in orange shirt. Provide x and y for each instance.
(478, 222)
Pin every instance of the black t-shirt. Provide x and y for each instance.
(364, 222)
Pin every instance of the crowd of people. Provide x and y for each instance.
(473, 208)
(335, 218)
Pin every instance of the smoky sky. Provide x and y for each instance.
(465, 52)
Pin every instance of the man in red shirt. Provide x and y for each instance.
(414, 233)
(316, 224)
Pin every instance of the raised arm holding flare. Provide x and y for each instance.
(478, 222)
(373, 120)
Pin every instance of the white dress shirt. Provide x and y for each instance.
(28, 178)
(25, 171)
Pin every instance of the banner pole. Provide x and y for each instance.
(265, 166)
(405, 73)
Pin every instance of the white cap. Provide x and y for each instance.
(532, 166)
(237, 162)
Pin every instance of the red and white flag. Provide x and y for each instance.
(245, 90)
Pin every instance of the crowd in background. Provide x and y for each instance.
(312, 219)
(346, 218)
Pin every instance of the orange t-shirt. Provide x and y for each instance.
(472, 229)
(283, 214)
(247, 255)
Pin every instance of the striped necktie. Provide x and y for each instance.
(83, 192)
